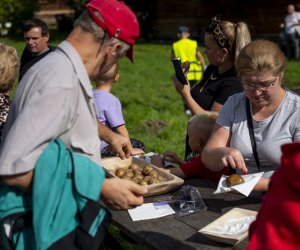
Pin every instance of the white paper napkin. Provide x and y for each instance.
(244, 188)
(234, 226)
(150, 211)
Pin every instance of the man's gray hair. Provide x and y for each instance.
(85, 22)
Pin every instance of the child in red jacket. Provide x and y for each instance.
(199, 129)
(277, 225)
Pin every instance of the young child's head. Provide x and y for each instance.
(109, 77)
(199, 129)
(9, 67)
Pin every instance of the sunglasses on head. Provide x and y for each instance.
(217, 31)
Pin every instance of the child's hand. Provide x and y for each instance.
(157, 160)
(137, 152)
(171, 157)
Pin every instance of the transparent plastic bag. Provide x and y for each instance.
(186, 201)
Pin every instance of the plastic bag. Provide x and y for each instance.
(186, 201)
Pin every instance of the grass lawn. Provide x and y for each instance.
(152, 109)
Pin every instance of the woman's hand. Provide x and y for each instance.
(234, 158)
(182, 89)
(262, 185)
(137, 152)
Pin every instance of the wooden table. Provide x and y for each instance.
(172, 233)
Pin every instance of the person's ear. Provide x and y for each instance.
(223, 54)
(200, 142)
(114, 48)
(47, 38)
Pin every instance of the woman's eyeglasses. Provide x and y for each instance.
(261, 87)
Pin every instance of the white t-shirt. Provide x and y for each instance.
(280, 128)
(290, 20)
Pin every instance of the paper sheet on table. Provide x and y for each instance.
(244, 188)
(150, 211)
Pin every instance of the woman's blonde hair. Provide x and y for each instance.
(229, 35)
(9, 67)
(237, 34)
(261, 56)
(202, 124)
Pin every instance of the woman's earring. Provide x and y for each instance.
(113, 54)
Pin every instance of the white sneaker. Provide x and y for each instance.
(188, 112)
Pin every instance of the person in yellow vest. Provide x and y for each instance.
(188, 50)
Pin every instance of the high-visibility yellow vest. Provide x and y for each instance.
(186, 49)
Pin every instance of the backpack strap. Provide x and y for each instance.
(19, 221)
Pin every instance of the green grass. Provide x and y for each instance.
(152, 109)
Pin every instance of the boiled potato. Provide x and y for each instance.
(134, 166)
(147, 169)
(153, 173)
(120, 172)
(138, 176)
(143, 183)
(153, 181)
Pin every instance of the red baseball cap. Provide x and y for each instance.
(117, 20)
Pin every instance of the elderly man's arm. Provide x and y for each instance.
(121, 194)
(22, 181)
(119, 143)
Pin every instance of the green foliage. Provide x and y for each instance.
(292, 75)
(16, 11)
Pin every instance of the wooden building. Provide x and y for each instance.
(165, 16)
(51, 11)
(159, 19)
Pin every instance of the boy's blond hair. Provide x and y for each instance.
(202, 124)
(9, 67)
(109, 76)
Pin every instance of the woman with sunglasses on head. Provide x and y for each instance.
(253, 125)
(223, 41)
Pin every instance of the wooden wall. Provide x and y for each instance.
(50, 9)
(263, 16)
(159, 19)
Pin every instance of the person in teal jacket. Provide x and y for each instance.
(65, 197)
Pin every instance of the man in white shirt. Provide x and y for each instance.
(292, 31)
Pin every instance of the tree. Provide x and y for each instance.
(16, 11)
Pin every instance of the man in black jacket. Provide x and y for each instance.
(36, 35)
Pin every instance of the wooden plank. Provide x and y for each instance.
(170, 232)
